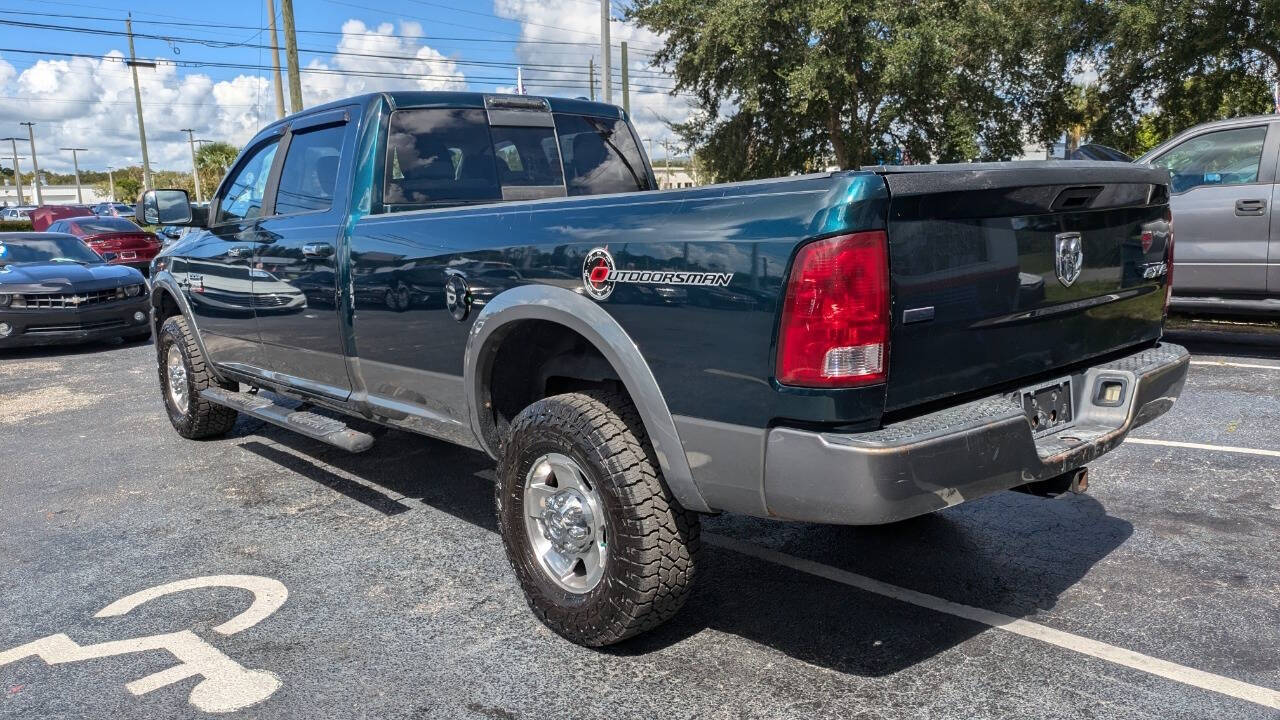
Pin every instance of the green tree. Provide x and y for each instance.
(1165, 65)
(790, 85)
(213, 160)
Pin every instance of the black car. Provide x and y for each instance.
(54, 289)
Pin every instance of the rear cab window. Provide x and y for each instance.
(441, 157)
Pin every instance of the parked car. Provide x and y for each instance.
(54, 289)
(113, 209)
(16, 214)
(130, 244)
(1094, 151)
(45, 215)
(1223, 179)
(890, 342)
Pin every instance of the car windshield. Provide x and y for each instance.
(102, 225)
(44, 250)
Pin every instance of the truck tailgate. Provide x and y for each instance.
(979, 299)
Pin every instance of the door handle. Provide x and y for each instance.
(1250, 207)
(317, 250)
(239, 251)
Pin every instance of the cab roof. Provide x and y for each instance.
(400, 99)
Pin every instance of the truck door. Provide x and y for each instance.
(295, 273)
(217, 280)
(1221, 205)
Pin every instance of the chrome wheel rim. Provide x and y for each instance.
(564, 522)
(176, 373)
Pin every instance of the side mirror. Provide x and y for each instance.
(164, 207)
(108, 256)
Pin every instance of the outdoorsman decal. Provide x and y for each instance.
(599, 274)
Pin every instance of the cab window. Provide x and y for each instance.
(600, 156)
(243, 199)
(438, 157)
(1224, 157)
(310, 171)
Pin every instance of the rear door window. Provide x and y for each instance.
(310, 171)
(600, 156)
(438, 157)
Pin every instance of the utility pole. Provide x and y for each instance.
(35, 164)
(591, 76)
(111, 179)
(291, 55)
(626, 82)
(275, 62)
(605, 51)
(75, 160)
(17, 173)
(666, 149)
(649, 142)
(195, 169)
(134, 64)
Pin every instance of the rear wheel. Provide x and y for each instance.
(601, 549)
(183, 374)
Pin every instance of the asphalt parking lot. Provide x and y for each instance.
(379, 587)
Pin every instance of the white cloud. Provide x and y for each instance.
(89, 102)
(572, 21)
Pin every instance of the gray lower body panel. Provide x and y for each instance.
(926, 463)
(961, 453)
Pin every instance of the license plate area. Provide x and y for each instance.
(1048, 407)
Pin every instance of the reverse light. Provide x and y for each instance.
(835, 317)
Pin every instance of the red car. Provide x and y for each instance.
(45, 215)
(131, 245)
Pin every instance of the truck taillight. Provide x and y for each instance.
(835, 318)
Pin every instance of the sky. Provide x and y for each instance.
(61, 66)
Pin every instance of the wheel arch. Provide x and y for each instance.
(584, 317)
(166, 297)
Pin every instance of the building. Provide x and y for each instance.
(52, 194)
(675, 177)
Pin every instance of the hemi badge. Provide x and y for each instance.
(915, 315)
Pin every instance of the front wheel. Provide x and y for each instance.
(183, 374)
(600, 547)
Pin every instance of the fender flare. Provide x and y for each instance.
(165, 282)
(564, 307)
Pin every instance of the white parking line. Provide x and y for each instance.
(1111, 653)
(1222, 363)
(1202, 446)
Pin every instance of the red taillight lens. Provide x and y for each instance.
(835, 318)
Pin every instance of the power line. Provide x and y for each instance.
(559, 67)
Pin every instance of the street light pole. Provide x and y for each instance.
(75, 160)
(134, 64)
(35, 164)
(111, 180)
(195, 170)
(17, 173)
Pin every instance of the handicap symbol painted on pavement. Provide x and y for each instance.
(226, 685)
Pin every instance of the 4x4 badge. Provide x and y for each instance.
(1068, 257)
(600, 274)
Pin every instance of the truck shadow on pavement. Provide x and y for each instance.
(57, 351)
(1011, 553)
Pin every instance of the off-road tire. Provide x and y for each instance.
(652, 541)
(202, 419)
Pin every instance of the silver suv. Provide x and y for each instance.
(1224, 190)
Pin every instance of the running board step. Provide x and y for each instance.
(317, 427)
